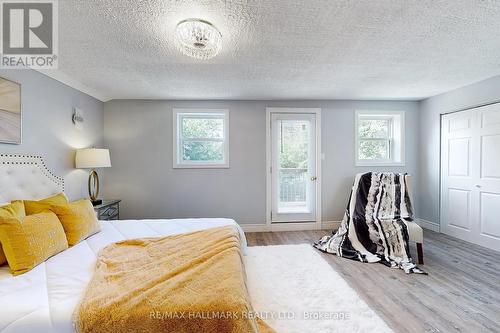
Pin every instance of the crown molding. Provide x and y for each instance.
(75, 84)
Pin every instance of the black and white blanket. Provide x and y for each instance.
(374, 225)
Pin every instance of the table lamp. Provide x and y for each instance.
(93, 158)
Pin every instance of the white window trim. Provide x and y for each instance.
(177, 164)
(401, 142)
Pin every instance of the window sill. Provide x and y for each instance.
(379, 164)
(201, 166)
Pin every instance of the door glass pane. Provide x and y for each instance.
(293, 154)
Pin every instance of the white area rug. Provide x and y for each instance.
(295, 290)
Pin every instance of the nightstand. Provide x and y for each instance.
(108, 210)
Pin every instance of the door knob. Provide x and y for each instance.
(313, 178)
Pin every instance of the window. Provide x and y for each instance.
(379, 138)
(201, 138)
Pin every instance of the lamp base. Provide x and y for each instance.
(96, 202)
(94, 188)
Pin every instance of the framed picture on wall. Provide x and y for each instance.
(10, 112)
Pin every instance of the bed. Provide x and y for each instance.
(44, 299)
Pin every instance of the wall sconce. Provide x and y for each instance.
(78, 118)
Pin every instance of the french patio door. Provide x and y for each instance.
(293, 167)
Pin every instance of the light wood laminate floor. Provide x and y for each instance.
(460, 294)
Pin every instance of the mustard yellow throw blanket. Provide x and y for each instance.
(185, 283)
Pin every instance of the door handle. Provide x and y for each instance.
(478, 186)
(313, 178)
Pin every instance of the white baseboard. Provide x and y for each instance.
(254, 227)
(428, 224)
(325, 225)
(330, 225)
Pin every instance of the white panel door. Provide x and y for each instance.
(459, 174)
(489, 176)
(470, 175)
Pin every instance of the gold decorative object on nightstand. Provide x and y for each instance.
(93, 158)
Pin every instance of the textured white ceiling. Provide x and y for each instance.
(281, 49)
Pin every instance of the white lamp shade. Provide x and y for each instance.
(92, 158)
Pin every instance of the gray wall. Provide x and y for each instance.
(486, 91)
(139, 134)
(47, 107)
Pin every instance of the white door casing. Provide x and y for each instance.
(310, 213)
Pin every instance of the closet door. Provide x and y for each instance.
(458, 174)
(470, 175)
(489, 176)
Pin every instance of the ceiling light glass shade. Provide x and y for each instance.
(198, 38)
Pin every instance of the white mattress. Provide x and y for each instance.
(43, 300)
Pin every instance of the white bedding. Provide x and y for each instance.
(43, 300)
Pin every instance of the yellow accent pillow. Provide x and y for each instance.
(31, 240)
(14, 210)
(3, 258)
(78, 219)
(35, 207)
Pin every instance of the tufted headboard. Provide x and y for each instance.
(26, 177)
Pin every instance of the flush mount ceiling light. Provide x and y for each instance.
(197, 38)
